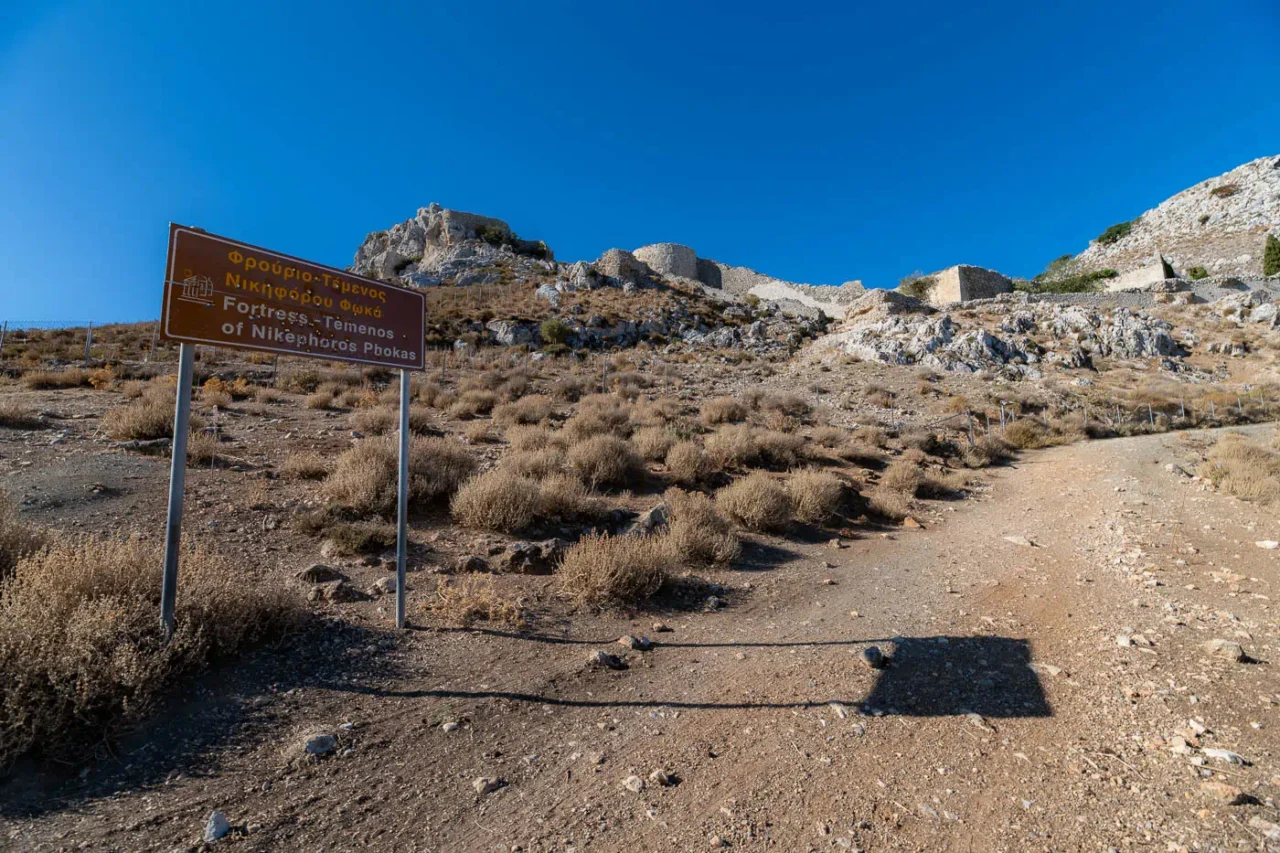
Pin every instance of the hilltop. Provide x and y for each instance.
(1219, 224)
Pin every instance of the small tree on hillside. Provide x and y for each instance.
(1271, 256)
(918, 285)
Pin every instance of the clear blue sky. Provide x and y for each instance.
(815, 142)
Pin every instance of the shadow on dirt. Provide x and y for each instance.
(207, 714)
(946, 676)
(924, 677)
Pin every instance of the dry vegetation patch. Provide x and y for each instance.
(698, 532)
(464, 601)
(606, 460)
(81, 644)
(497, 500)
(815, 495)
(14, 416)
(688, 464)
(757, 502)
(1244, 468)
(611, 570)
(365, 476)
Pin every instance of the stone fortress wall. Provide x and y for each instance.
(963, 282)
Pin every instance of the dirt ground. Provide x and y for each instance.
(1047, 688)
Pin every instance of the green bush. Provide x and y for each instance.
(917, 285)
(1271, 256)
(494, 235)
(1197, 272)
(1224, 190)
(555, 331)
(1114, 233)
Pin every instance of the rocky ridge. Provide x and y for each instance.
(1019, 335)
(1220, 224)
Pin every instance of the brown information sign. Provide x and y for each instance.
(226, 293)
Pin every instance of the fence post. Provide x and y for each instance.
(1240, 405)
(987, 415)
(4, 330)
(1213, 410)
(151, 353)
(1151, 418)
(969, 417)
(1182, 409)
(88, 343)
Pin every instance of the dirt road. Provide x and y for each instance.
(1047, 690)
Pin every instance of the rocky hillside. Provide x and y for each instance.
(1219, 224)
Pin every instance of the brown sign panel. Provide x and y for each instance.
(226, 293)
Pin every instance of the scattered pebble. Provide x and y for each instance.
(217, 827)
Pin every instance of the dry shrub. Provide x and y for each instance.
(890, 504)
(462, 602)
(657, 412)
(473, 404)
(1244, 468)
(815, 495)
(535, 464)
(599, 414)
(308, 465)
(348, 538)
(364, 478)
(533, 409)
(202, 447)
(872, 436)
(903, 477)
(1029, 433)
(749, 447)
(601, 569)
(378, 421)
(653, 443)
(829, 437)
(723, 410)
(148, 417)
(698, 532)
(878, 395)
(688, 463)
(479, 433)
(17, 540)
(14, 416)
(41, 380)
(942, 484)
(497, 500)
(861, 453)
(987, 450)
(563, 497)
(522, 438)
(132, 389)
(81, 644)
(266, 394)
(567, 390)
(788, 403)
(606, 460)
(320, 400)
(757, 502)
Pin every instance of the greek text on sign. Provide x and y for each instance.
(229, 294)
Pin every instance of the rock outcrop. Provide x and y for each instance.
(896, 329)
(439, 244)
(1220, 224)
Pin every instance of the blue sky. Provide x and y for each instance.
(815, 142)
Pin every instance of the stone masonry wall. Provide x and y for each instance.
(964, 282)
(669, 259)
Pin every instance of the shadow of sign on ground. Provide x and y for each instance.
(945, 676)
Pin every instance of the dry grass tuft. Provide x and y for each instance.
(497, 500)
(986, 451)
(1244, 468)
(473, 404)
(523, 438)
(81, 644)
(43, 380)
(599, 414)
(744, 446)
(463, 602)
(202, 447)
(902, 477)
(688, 463)
(611, 570)
(307, 465)
(606, 460)
(148, 417)
(757, 502)
(365, 476)
(654, 442)
(815, 495)
(535, 464)
(320, 400)
(17, 540)
(14, 416)
(698, 532)
(534, 409)
(723, 410)
(563, 497)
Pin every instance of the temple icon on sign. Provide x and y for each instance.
(197, 288)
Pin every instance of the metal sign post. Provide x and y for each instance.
(402, 509)
(225, 293)
(177, 482)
